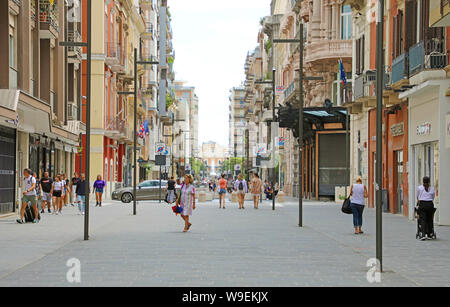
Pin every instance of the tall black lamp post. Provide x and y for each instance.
(134, 93)
(300, 41)
(88, 45)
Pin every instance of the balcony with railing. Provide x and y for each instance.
(324, 50)
(74, 53)
(49, 19)
(116, 128)
(290, 90)
(365, 86)
(431, 56)
(400, 70)
(115, 57)
(149, 31)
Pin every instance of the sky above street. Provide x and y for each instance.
(211, 41)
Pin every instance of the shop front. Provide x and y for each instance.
(395, 159)
(429, 150)
(7, 169)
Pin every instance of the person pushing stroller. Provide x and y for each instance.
(425, 210)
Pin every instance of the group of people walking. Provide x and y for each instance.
(55, 193)
(425, 209)
(241, 187)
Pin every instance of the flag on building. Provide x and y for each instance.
(342, 73)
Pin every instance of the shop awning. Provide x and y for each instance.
(314, 119)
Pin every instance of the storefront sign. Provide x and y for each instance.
(398, 129)
(424, 129)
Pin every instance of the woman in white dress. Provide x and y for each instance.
(187, 201)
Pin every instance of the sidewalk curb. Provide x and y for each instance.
(3, 216)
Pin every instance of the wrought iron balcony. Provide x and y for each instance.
(115, 57)
(433, 56)
(288, 92)
(48, 17)
(74, 52)
(365, 85)
(149, 31)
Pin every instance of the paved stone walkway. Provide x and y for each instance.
(224, 248)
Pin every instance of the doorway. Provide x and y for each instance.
(399, 169)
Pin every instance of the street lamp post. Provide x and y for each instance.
(136, 62)
(88, 46)
(300, 41)
(379, 143)
(272, 82)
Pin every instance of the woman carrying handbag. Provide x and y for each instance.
(358, 193)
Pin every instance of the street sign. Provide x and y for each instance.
(237, 167)
(162, 149)
(187, 167)
(160, 160)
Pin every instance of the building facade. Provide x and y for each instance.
(40, 92)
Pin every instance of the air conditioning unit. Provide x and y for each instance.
(72, 111)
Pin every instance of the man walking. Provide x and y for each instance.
(73, 188)
(46, 187)
(81, 194)
(29, 196)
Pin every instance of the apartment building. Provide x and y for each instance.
(327, 36)
(40, 92)
(188, 111)
(238, 123)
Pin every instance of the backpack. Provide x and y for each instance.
(241, 186)
(29, 214)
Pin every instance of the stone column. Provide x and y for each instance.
(333, 21)
(328, 19)
(315, 24)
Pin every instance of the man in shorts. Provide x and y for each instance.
(46, 187)
(29, 196)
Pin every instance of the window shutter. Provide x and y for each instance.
(400, 33)
(358, 70)
(395, 38)
(410, 23)
(362, 52)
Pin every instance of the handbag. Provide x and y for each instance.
(346, 208)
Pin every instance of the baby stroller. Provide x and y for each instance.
(421, 225)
